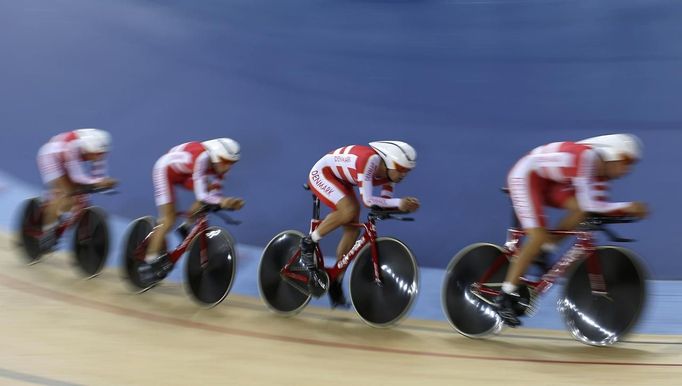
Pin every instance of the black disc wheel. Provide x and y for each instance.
(210, 268)
(603, 310)
(91, 241)
(468, 310)
(133, 253)
(384, 304)
(277, 293)
(30, 229)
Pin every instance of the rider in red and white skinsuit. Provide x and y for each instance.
(334, 175)
(569, 175)
(63, 164)
(196, 166)
(383, 163)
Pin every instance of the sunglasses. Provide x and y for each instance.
(401, 168)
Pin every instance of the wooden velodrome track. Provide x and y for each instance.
(57, 329)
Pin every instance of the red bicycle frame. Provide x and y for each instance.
(583, 248)
(369, 236)
(81, 202)
(200, 225)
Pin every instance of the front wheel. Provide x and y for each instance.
(280, 296)
(31, 229)
(600, 306)
(210, 268)
(91, 241)
(384, 304)
(470, 312)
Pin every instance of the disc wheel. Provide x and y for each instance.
(280, 296)
(91, 241)
(468, 311)
(602, 318)
(384, 304)
(30, 229)
(133, 253)
(209, 278)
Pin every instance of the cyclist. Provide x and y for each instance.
(67, 162)
(197, 166)
(568, 175)
(382, 163)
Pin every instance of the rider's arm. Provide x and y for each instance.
(200, 179)
(387, 190)
(75, 166)
(365, 185)
(587, 187)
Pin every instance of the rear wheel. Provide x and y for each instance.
(603, 316)
(280, 296)
(209, 279)
(31, 229)
(469, 311)
(91, 241)
(384, 304)
(134, 253)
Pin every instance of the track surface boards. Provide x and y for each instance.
(58, 329)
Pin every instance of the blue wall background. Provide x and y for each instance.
(471, 84)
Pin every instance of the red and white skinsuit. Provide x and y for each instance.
(187, 165)
(63, 156)
(553, 173)
(334, 175)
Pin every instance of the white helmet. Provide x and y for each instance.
(614, 147)
(396, 153)
(222, 149)
(94, 140)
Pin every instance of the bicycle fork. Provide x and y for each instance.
(596, 278)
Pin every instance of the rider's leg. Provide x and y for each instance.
(164, 197)
(186, 226)
(350, 235)
(535, 238)
(337, 195)
(165, 222)
(61, 201)
(158, 265)
(506, 303)
(575, 215)
(563, 196)
(347, 210)
(526, 190)
(529, 193)
(570, 221)
(54, 176)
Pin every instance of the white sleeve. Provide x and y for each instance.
(200, 179)
(586, 187)
(75, 165)
(99, 168)
(365, 185)
(387, 190)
